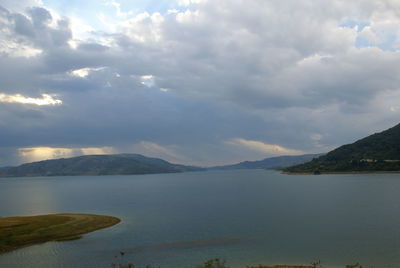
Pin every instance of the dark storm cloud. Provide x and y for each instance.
(23, 26)
(286, 73)
(34, 28)
(40, 17)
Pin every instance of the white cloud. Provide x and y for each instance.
(84, 72)
(80, 29)
(147, 80)
(187, 16)
(144, 27)
(15, 49)
(46, 99)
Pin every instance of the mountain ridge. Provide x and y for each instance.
(116, 164)
(269, 162)
(377, 152)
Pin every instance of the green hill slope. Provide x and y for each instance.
(96, 165)
(378, 152)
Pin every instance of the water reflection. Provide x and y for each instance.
(31, 196)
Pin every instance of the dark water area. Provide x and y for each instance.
(247, 217)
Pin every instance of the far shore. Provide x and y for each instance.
(17, 232)
(339, 172)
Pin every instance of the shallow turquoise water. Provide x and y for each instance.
(244, 216)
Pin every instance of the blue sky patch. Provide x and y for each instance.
(352, 24)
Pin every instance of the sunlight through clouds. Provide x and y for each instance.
(147, 80)
(15, 49)
(83, 72)
(272, 149)
(46, 99)
(31, 154)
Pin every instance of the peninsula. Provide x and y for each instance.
(16, 232)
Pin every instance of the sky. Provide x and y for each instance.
(195, 82)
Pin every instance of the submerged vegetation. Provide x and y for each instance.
(16, 232)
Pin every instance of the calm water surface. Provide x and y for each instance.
(245, 216)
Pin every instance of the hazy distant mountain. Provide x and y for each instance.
(378, 152)
(96, 165)
(272, 162)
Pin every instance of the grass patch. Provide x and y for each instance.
(16, 232)
(282, 266)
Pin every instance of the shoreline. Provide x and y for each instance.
(339, 172)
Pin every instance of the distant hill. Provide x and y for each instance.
(270, 163)
(96, 165)
(378, 152)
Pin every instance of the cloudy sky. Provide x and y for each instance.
(195, 81)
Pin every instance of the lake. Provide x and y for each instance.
(247, 217)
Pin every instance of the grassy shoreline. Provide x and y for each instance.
(17, 232)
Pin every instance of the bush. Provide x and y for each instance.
(213, 263)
